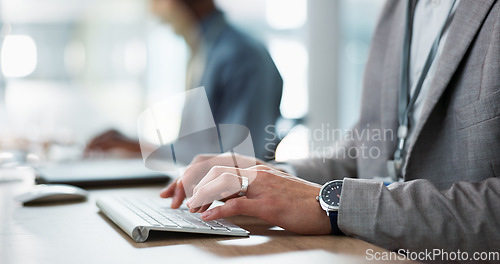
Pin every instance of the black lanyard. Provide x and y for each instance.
(405, 101)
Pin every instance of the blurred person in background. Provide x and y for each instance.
(242, 83)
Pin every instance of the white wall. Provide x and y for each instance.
(323, 63)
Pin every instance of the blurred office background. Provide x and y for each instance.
(71, 69)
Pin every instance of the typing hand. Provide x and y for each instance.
(272, 195)
(198, 169)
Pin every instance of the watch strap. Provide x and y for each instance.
(333, 221)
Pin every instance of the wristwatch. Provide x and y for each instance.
(329, 199)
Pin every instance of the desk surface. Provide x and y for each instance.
(78, 233)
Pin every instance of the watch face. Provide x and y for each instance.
(331, 193)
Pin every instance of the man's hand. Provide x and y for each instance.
(112, 139)
(272, 195)
(198, 168)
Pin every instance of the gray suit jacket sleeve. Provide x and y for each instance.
(417, 216)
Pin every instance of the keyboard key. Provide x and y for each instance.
(201, 225)
(167, 222)
(216, 226)
(152, 222)
(184, 224)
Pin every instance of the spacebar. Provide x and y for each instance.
(184, 224)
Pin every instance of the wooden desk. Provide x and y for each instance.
(78, 233)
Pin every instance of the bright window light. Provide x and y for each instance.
(295, 145)
(291, 58)
(135, 57)
(286, 14)
(74, 57)
(18, 56)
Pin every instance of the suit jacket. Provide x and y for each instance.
(242, 83)
(450, 197)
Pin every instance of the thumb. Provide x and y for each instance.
(236, 206)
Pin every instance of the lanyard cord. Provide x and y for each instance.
(406, 102)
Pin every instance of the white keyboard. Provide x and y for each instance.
(137, 216)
